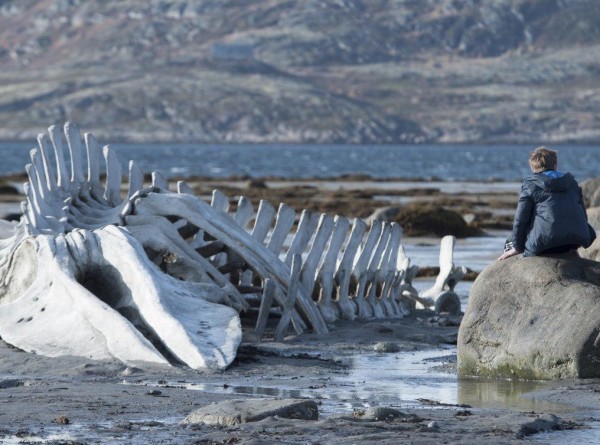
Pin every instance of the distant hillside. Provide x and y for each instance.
(353, 71)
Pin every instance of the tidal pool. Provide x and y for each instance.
(404, 380)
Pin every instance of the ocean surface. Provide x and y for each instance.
(423, 162)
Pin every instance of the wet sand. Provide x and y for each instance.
(73, 400)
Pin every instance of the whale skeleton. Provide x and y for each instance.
(106, 270)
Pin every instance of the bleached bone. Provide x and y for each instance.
(244, 212)
(160, 271)
(294, 287)
(264, 219)
(220, 201)
(283, 225)
(306, 228)
(265, 307)
(183, 187)
(229, 262)
(222, 227)
(262, 224)
(81, 294)
(160, 235)
(374, 266)
(383, 276)
(325, 277)
(309, 268)
(441, 296)
(360, 272)
(343, 273)
(97, 279)
(391, 280)
(403, 292)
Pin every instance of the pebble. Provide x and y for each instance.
(383, 413)
(385, 346)
(130, 370)
(62, 420)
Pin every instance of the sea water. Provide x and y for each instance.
(423, 162)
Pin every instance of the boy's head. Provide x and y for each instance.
(542, 159)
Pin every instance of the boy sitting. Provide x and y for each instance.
(550, 216)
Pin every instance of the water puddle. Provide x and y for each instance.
(588, 435)
(413, 377)
(507, 394)
(419, 379)
(117, 433)
(404, 380)
(476, 253)
(33, 438)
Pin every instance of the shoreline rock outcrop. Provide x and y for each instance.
(533, 318)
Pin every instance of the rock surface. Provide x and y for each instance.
(533, 318)
(382, 413)
(233, 412)
(593, 252)
(419, 219)
(386, 346)
(590, 189)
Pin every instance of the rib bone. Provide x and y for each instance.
(154, 275)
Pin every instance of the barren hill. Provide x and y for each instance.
(355, 71)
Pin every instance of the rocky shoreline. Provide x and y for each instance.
(73, 400)
(351, 374)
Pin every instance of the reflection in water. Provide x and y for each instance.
(398, 380)
(251, 390)
(410, 377)
(505, 394)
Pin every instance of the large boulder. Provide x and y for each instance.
(593, 214)
(591, 192)
(593, 252)
(533, 318)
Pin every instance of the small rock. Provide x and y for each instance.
(382, 413)
(62, 420)
(546, 422)
(256, 183)
(8, 189)
(11, 383)
(385, 346)
(450, 339)
(130, 370)
(233, 412)
(433, 425)
(385, 330)
(11, 216)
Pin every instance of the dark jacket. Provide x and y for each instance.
(550, 214)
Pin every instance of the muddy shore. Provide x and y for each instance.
(68, 400)
(73, 400)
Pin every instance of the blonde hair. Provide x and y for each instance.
(542, 159)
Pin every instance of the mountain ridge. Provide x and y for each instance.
(336, 71)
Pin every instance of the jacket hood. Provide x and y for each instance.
(550, 184)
